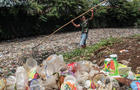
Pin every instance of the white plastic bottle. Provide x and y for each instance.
(21, 79)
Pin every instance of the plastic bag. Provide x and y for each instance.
(81, 77)
(51, 82)
(124, 71)
(93, 72)
(84, 66)
(46, 71)
(57, 61)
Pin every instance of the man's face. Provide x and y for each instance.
(83, 18)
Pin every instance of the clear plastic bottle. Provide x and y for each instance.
(57, 61)
(10, 83)
(31, 67)
(21, 79)
(31, 63)
(131, 75)
(35, 85)
(60, 64)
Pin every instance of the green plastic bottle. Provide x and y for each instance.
(114, 58)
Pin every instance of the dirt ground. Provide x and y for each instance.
(128, 52)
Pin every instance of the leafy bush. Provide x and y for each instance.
(22, 18)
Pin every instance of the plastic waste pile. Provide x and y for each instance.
(55, 74)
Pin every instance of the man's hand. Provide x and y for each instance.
(92, 10)
(72, 20)
(91, 14)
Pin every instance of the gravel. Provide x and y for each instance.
(13, 53)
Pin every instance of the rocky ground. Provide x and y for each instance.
(12, 52)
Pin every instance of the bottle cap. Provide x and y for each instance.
(113, 55)
(108, 59)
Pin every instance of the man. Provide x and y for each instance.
(84, 26)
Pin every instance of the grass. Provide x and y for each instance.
(136, 36)
(85, 54)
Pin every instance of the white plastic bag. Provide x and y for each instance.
(81, 77)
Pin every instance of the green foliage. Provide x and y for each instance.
(120, 13)
(34, 8)
(35, 17)
(78, 53)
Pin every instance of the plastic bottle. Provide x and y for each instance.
(57, 61)
(114, 65)
(21, 78)
(60, 64)
(106, 63)
(31, 66)
(10, 83)
(69, 83)
(131, 75)
(35, 85)
(2, 84)
(51, 59)
(31, 63)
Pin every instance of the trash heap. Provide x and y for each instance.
(55, 74)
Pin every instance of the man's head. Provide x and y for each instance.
(83, 18)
